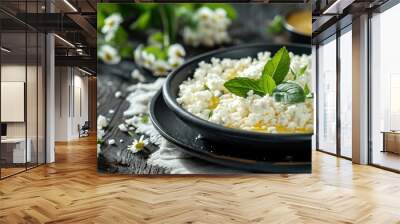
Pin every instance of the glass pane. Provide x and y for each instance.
(385, 81)
(314, 79)
(41, 98)
(346, 94)
(31, 85)
(327, 97)
(13, 86)
(31, 97)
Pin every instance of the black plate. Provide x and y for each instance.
(218, 133)
(292, 160)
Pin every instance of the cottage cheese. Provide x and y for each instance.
(205, 96)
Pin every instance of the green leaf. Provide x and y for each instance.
(294, 73)
(131, 133)
(145, 7)
(267, 84)
(276, 25)
(289, 92)
(241, 86)
(100, 20)
(306, 90)
(230, 11)
(158, 52)
(156, 37)
(278, 66)
(142, 22)
(302, 70)
(120, 37)
(144, 118)
(126, 50)
(185, 16)
(107, 8)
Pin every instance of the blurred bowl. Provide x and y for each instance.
(298, 23)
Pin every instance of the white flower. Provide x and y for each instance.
(121, 140)
(148, 59)
(212, 28)
(190, 37)
(118, 94)
(205, 13)
(138, 145)
(176, 51)
(101, 122)
(175, 62)
(220, 13)
(137, 75)
(161, 67)
(111, 23)
(109, 54)
(111, 111)
(109, 36)
(158, 66)
(138, 55)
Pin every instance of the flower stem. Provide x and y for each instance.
(164, 21)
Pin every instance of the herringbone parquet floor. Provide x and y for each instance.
(71, 191)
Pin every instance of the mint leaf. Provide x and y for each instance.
(302, 70)
(306, 90)
(241, 86)
(267, 84)
(274, 72)
(289, 92)
(294, 73)
(278, 66)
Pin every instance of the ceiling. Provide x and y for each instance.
(332, 15)
(74, 22)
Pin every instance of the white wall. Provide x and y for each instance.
(61, 103)
(71, 94)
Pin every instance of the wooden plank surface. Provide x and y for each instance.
(115, 158)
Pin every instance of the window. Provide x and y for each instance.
(22, 77)
(385, 89)
(346, 93)
(327, 96)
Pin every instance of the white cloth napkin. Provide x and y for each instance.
(168, 156)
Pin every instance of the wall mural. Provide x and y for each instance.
(205, 88)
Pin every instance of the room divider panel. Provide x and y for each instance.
(22, 77)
